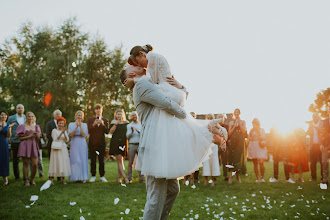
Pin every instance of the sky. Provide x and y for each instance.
(268, 58)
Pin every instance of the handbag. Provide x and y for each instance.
(57, 145)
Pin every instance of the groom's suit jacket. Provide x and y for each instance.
(147, 97)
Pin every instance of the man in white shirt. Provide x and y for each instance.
(18, 119)
(133, 136)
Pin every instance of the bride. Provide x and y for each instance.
(175, 147)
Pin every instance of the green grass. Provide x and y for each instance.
(98, 199)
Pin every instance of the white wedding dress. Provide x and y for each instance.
(173, 147)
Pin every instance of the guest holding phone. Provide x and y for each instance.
(118, 143)
(29, 135)
(98, 126)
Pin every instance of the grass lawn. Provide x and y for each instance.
(248, 200)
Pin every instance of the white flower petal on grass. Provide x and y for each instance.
(187, 183)
(221, 213)
(292, 206)
(226, 196)
(260, 192)
(122, 213)
(267, 201)
(234, 213)
(116, 201)
(206, 205)
(255, 208)
(122, 184)
(210, 181)
(80, 210)
(202, 207)
(226, 203)
(234, 197)
(46, 185)
(33, 203)
(312, 214)
(134, 200)
(296, 217)
(253, 195)
(236, 203)
(323, 186)
(242, 215)
(193, 187)
(323, 198)
(73, 203)
(281, 205)
(74, 64)
(282, 201)
(196, 216)
(211, 200)
(263, 206)
(247, 200)
(82, 218)
(27, 207)
(308, 206)
(89, 213)
(127, 211)
(65, 216)
(191, 211)
(207, 209)
(142, 210)
(34, 198)
(231, 209)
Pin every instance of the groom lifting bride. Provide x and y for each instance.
(172, 144)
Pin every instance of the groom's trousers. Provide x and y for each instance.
(161, 194)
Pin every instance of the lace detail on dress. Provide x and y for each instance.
(158, 68)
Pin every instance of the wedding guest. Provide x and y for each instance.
(237, 130)
(19, 119)
(40, 164)
(280, 148)
(133, 136)
(49, 128)
(29, 135)
(325, 147)
(257, 150)
(118, 143)
(211, 166)
(78, 131)
(223, 153)
(98, 126)
(298, 156)
(59, 164)
(5, 133)
(314, 132)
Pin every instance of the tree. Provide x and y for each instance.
(322, 100)
(76, 69)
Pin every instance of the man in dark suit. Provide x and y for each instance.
(97, 128)
(49, 128)
(325, 147)
(314, 132)
(17, 119)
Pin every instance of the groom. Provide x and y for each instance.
(161, 193)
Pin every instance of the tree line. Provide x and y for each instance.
(69, 67)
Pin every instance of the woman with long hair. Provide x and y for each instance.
(29, 135)
(118, 142)
(237, 130)
(257, 150)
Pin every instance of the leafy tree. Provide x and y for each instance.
(320, 103)
(77, 70)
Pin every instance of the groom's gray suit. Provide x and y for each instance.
(161, 193)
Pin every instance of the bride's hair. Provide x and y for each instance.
(135, 51)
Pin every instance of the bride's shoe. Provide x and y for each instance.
(126, 180)
(119, 180)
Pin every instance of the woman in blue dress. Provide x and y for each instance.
(78, 131)
(5, 133)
